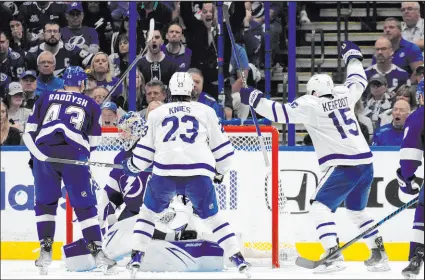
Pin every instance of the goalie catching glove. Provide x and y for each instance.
(129, 169)
(349, 50)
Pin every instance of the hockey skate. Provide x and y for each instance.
(242, 265)
(378, 260)
(415, 265)
(108, 265)
(135, 263)
(45, 259)
(334, 264)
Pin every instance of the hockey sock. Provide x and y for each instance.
(418, 230)
(144, 228)
(223, 234)
(325, 225)
(89, 224)
(363, 222)
(45, 215)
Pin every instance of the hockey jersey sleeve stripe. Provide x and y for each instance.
(274, 112)
(145, 221)
(411, 154)
(358, 75)
(75, 137)
(184, 166)
(145, 148)
(342, 156)
(143, 232)
(225, 156)
(220, 146)
(31, 127)
(142, 158)
(285, 113)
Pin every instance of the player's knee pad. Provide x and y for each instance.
(144, 228)
(223, 234)
(325, 224)
(363, 222)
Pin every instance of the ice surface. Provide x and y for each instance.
(355, 270)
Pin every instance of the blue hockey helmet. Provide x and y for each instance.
(74, 76)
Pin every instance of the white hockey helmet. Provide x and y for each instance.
(181, 83)
(322, 84)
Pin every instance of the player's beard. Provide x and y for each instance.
(52, 42)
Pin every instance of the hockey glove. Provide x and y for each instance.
(349, 50)
(129, 168)
(251, 96)
(218, 178)
(406, 186)
(31, 163)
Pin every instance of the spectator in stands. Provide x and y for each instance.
(46, 80)
(109, 116)
(155, 91)
(120, 59)
(201, 37)
(406, 54)
(65, 54)
(406, 93)
(413, 25)
(11, 63)
(175, 47)
(4, 84)
(140, 93)
(363, 120)
(6, 17)
(392, 134)
(254, 32)
(9, 135)
(29, 85)
(156, 65)
(21, 40)
(152, 106)
(379, 99)
(419, 73)
(99, 94)
(123, 29)
(118, 10)
(18, 114)
(395, 75)
(156, 10)
(102, 70)
(36, 14)
(202, 97)
(75, 33)
(97, 15)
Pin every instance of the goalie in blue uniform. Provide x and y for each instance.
(411, 155)
(65, 124)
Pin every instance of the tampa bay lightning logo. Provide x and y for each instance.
(131, 187)
(3, 77)
(77, 40)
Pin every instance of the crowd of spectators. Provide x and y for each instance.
(38, 40)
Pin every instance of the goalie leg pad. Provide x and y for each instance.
(78, 257)
(223, 234)
(325, 225)
(45, 215)
(144, 228)
(89, 221)
(363, 222)
(418, 230)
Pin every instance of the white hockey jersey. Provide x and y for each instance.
(184, 139)
(331, 122)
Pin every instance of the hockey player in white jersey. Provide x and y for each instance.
(342, 151)
(188, 147)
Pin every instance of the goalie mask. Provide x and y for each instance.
(132, 126)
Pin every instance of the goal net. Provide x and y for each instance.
(251, 194)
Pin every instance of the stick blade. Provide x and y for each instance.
(306, 263)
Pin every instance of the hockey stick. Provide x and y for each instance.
(303, 262)
(245, 85)
(136, 60)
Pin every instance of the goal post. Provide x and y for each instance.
(251, 194)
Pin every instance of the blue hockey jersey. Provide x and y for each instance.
(412, 148)
(61, 118)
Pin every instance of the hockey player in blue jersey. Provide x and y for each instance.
(411, 155)
(343, 153)
(188, 147)
(65, 124)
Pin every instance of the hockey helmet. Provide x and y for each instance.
(181, 83)
(321, 84)
(74, 76)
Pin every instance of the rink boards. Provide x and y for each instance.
(299, 173)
